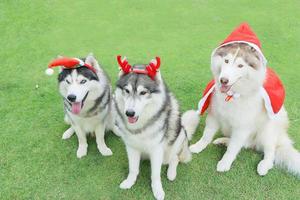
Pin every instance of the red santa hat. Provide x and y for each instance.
(68, 63)
(243, 34)
(272, 91)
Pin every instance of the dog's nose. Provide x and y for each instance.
(71, 98)
(130, 113)
(224, 81)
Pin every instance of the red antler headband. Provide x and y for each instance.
(68, 63)
(151, 68)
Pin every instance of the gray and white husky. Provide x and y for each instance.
(149, 122)
(87, 97)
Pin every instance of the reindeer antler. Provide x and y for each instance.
(125, 66)
(153, 67)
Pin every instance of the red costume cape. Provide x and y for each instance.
(272, 91)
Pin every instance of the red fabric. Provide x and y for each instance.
(243, 33)
(272, 85)
(207, 102)
(90, 67)
(69, 63)
(275, 90)
(66, 62)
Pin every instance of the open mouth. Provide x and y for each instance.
(225, 88)
(132, 120)
(77, 106)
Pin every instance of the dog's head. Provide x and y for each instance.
(79, 84)
(138, 95)
(237, 67)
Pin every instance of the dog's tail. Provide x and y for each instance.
(288, 157)
(190, 120)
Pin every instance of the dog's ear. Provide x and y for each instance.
(121, 73)
(91, 60)
(158, 77)
(216, 64)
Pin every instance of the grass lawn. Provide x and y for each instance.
(36, 164)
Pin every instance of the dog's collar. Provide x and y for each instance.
(232, 95)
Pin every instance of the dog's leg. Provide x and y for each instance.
(82, 143)
(172, 169)
(268, 162)
(235, 144)
(210, 130)
(68, 133)
(156, 159)
(268, 139)
(134, 157)
(100, 134)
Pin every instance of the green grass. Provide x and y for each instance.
(36, 164)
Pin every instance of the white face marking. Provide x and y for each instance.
(75, 84)
(239, 67)
(135, 100)
(233, 68)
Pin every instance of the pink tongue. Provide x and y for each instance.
(76, 107)
(224, 88)
(132, 120)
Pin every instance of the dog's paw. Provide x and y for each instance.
(67, 134)
(198, 147)
(223, 166)
(127, 184)
(105, 151)
(158, 191)
(263, 167)
(221, 141)
(81, 151)
(171, 174)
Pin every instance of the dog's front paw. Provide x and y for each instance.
(127, 184)
(158, 191)
(105, 151)
(263, 167)
(223, 166)
(198, 147)
(81, 151)
(68, 133)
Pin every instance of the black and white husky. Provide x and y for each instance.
(149, 122)
(87, 97)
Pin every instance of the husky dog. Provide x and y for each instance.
(240, 107)
(149, 122)
(87, 97)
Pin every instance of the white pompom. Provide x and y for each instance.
(49, 71)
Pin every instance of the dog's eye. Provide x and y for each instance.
(67, 81)
(143, 93)
(240, 66)
(226, 61)
(127, 91)
(83, 82)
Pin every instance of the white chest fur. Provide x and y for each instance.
(243, 111)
